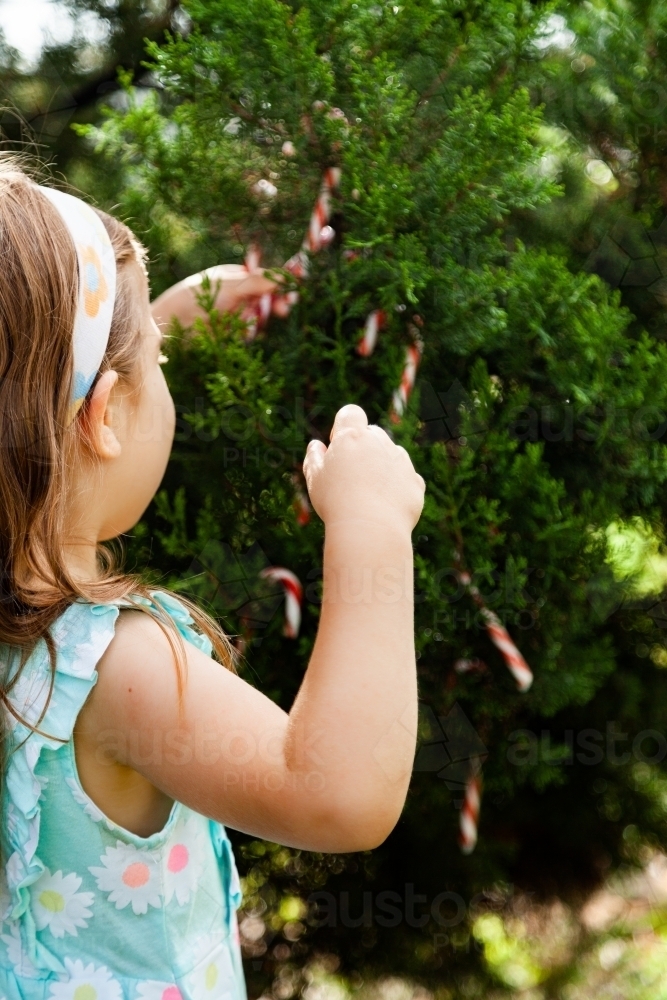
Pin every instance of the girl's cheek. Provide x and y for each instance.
(169, 414)
(167, 419)
(172, 420)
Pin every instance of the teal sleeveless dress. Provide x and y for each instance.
(89, 910)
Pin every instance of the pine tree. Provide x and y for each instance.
(537, 422)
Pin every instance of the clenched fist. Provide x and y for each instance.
(362, 474)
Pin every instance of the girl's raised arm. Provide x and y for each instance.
(332, 775)
(236, 287)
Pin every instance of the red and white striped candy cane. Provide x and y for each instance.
(256, 314)
(413, 355)
(374, 322)
(469, 819)
(293, 597)
(321, 212)
(500, 637)
(318, 234)
(302, 503)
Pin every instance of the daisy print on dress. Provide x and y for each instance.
(183, 865)
(86, 983)
(153, 990)
(214, 977)
(130, 876)
(17, 956)
(57, 904)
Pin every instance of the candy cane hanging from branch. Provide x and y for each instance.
(469, 819)
(413, 355)
(293, 597)
(318, 235)
(500, 637)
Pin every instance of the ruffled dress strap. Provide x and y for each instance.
(180, 616)
(50, 702)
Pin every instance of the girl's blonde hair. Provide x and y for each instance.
(38, 282)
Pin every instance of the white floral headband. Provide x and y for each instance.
(97, 289)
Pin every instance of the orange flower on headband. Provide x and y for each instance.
(95, 289)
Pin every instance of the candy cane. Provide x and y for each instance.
(321, 212)
(301, 504)
(293, 597)
(318, 234)
(374, 321)
(500, 638)
(470, 814)
(413, 355)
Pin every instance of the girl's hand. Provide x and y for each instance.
(238, 286)
(362, 474)
(238, 289)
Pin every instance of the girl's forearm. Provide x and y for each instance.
(178, 302)
(232, 285)
(354, 721)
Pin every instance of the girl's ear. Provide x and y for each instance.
(98, 424)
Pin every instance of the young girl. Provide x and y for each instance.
(126, 749)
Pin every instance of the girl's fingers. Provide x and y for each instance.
(314, 460)
(349, 416)
(255, 284)
(223, 272)
(239, 288)
(382, 435)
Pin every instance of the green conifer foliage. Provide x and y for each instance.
(536, 423)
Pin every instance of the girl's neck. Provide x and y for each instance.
(81, 561)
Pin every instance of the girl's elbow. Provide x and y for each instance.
(351, 827)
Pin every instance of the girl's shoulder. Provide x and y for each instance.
(81, 636)
(168, 604)
(84, 631)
